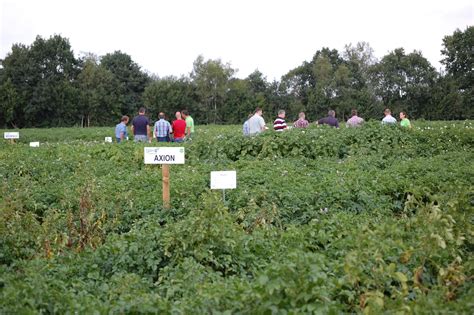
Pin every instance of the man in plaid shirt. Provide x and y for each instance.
(301, 122)
(162, 129)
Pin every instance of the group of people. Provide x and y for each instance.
(181, 129)
(255, 123)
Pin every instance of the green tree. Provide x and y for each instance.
(459, 62)
(9, 104)
(42, 76)
(131, 80)
(169, 95)
(360, 59)
(211, 78)
(404, 82)
(99, 100)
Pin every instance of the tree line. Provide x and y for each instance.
(45, 85)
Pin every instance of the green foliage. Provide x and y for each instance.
(367, 220)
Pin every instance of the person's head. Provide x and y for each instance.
(124, 119)
(281, 113)
(354, 112)
(403, 115)
(387, 112)
(161, 115)
(332, 113)
(142, 111)
(184, 113)
(178, 115)
(258, 111)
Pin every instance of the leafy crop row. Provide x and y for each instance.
(362, 220)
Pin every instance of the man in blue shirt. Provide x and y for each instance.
(121, 130)
(162, 129)
(330, 120)
(141, 127)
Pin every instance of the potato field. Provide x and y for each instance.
(370, 220)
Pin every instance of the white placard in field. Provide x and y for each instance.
(164, 155)
(11, 135)
(34, 144)
(224, 180)
(108, 139)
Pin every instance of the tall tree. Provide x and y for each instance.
(211, 78)
(170, 94)
(459, 62)
(131, 80)
(99, 100)
(360, 59)
(404, 82)
(42, 76)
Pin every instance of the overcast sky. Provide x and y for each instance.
(165, 37)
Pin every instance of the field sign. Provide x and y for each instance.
(108, 139)
(11, 135)
(164, 155)
(34, 144)
(224, 180)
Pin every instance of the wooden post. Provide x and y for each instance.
(165, 168)
(12, 141)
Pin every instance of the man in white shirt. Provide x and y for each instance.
(388, 119)
(256, 122)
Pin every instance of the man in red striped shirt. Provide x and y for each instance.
(280, 124)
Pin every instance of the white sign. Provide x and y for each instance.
(164, 155)
(34, 144)
(224, 180)
(11, 135)
(108, 139)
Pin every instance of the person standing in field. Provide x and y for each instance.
(121, 129)
(330, 120)
(280, 124)
(162, 129)
(354, 121)
(256, 122)
(178, 128)
(388, 119)
(141, 127)
(189, 124)
(404, 122)
(301, 122)
(246, 126)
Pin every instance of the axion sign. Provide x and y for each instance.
(164, 155)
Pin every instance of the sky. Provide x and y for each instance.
(274, 36)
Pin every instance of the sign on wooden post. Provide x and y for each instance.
(164, 156)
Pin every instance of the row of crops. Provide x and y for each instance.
(374, 219)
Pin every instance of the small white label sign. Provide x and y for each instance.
(164, 155)
(11, 135)
(34, 144)
(108, 139)
(224, 180)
